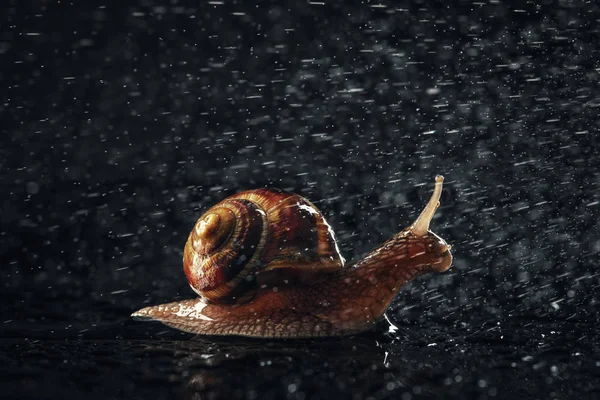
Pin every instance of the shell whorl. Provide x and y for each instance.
(263, 232)
(223, 249)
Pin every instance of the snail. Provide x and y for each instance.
(266, 264)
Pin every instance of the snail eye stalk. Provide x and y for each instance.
(421, 226)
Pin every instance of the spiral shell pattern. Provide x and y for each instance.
(252, 233)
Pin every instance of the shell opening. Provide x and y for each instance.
(421, 226)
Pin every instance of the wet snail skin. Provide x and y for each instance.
(265, 264)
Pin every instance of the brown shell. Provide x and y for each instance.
(262, 234)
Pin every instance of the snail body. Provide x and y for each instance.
(266, 264)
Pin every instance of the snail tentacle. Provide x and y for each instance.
(421, 226)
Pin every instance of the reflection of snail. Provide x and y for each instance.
(220, 367)
(225, 367)
(266, 264)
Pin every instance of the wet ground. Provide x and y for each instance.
(123, 122)
(519, 358)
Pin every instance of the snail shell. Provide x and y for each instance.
(246, 238)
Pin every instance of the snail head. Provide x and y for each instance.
(426, 244)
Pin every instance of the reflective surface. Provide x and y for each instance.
(518, 359)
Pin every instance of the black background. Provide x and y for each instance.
(122, 121)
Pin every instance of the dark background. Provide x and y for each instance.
(122, 121)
